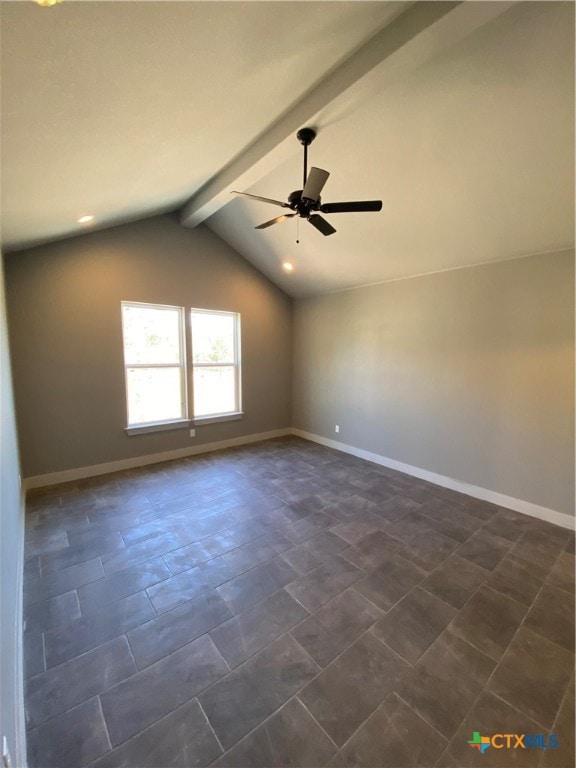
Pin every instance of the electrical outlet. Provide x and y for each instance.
(6, 761)
(192, 433)
(337, 429)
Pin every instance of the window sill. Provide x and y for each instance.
(162, 426)
(201, 420)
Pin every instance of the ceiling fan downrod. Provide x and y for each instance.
(306, 136)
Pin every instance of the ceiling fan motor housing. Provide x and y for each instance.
(302, 205)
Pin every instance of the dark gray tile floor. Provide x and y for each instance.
(283, 604)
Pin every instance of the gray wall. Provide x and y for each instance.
(64, 311)
(468, 373)
(11, 546)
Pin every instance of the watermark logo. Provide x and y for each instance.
(513, 741)
(481, 743)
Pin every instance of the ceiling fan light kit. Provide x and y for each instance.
(306, 202)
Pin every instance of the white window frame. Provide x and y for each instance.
(186, 371)
(237, 365)
(158, 426)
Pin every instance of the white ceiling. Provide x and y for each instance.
(465, 130)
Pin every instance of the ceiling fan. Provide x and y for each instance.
(305, 202)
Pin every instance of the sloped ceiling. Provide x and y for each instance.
(460, 117)
(472, 154)
(123, 109)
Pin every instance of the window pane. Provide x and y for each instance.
(154, 394)
(151, 335)
(214, 391)
(213, 337)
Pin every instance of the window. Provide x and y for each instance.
(158, 351)
(216, 363)
(154, 359)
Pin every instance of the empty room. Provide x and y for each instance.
(287, 384)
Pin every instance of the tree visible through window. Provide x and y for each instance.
(216, 362)
(155, 359)
(154, 362)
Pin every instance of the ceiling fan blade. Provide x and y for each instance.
(321, 224)
(275, 221)
(365, 205)
(315, 183)
(262, 199)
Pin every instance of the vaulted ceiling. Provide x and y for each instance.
(459, 116)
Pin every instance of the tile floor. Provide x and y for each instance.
(282, 604)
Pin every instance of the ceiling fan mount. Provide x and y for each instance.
(306, 136)
(306, 201)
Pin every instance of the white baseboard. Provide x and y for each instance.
(79, 473)
(518, 505)
(20, 760)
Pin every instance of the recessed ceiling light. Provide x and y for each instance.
(287, 266)
(85, 219)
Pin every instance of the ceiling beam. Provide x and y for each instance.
(415, 36)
